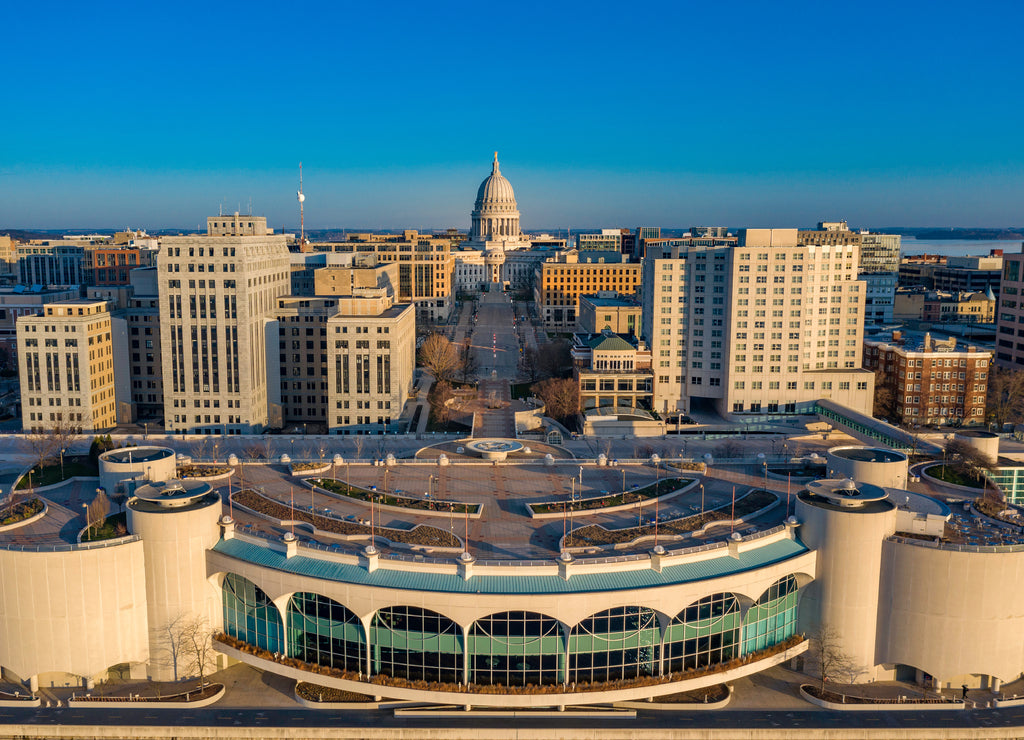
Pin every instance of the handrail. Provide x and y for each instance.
(68, 547)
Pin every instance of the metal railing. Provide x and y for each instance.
(69, 547)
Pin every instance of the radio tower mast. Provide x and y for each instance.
(302, 214)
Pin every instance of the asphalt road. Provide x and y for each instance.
(494, 338)
(656, 721)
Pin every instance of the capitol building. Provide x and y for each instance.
(497, 251)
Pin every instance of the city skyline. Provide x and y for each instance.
(743, 116)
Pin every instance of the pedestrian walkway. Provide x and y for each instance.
(494, 422)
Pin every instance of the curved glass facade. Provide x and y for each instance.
(773, 618)
(515, 649)
(416, 644)
(614, 644)
(322, 631)
(250, 615)
(705, 633)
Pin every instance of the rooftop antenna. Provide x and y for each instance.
(302, 214)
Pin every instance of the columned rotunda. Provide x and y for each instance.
(495, 217)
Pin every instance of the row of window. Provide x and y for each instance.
(513, 648)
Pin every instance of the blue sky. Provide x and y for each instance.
(604, 114)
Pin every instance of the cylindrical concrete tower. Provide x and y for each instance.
(177, 521)
(987, 443)
(874, 465)
(846, 523)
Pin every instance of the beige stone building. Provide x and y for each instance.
(562, 279)
(68, 362)
(764, 327)
(609, 311)
(364, 271)
(217, 295)
(371, 344)
(425, 267)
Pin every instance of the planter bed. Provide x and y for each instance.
(309, 468)
(596, 535)
(210, 694)
(21, 512)
(325, 694)
(379, 683)
(203, 472)
(340, 488)
(421, 535)
(835, 700)
(625, 498)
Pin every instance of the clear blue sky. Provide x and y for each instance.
(604, 114)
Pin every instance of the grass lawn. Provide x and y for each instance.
(109, 530)
(952, 475)
(51, 473)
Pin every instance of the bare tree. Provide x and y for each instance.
(967, 460)
(885, 396)
(98, 510)
(730, 448)
(359, 442)
(197, 647)
(171, 638)
(199, 448)
(561, 397)
(439, 356)
(467, 361)
(438, 398)
(829, 658)
(531, 364)
(554, 358)
(1005, 396)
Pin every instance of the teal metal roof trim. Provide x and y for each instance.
(512, 584)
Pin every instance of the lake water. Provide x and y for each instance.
(973, 247)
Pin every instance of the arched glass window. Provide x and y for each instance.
(416, 644)
(615, 644)
(773, 618)
(322, 631)
(250, 615)
(704, 633)
(515, 649)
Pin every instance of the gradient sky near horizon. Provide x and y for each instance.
(156, 115)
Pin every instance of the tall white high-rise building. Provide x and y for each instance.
(217, 293)
(762, 327)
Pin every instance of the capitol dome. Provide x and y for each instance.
(495, 215)
(496, 190)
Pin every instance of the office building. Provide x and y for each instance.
(218, 292)
(425, 267)
(1010, 312)
(562, 279)
(764, 327)
(73, 368)
(146, 366)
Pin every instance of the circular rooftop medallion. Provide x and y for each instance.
(494, 449)
(173, 493)
(846, 493)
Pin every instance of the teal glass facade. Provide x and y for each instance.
(417, 644)
(516, 649)
(705, 633)
(322, 631)
(615, 644)
(773, 618)
(250, 615)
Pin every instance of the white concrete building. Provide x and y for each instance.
(763, 327)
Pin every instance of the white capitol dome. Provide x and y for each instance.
(495, 215)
